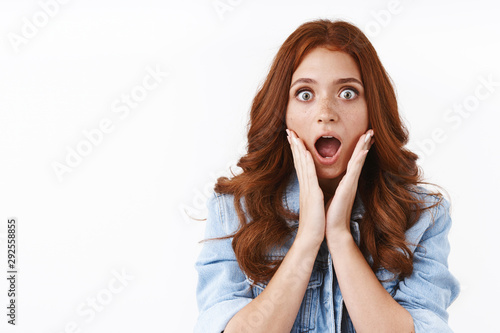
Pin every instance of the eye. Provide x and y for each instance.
(348, 93)
(304, 95)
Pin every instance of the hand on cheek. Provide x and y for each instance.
(312, 210)
(339, 207)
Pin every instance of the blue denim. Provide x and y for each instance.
(223, 288)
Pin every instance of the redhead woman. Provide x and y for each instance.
(328, 227)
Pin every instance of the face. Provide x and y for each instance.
(327, 109)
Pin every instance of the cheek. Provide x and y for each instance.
(294, 119)
(358, 125)
(294, 124)
(363, 118)
(288, 119)
(357, 120)
(352, 145)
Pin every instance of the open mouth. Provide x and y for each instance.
(327, 146)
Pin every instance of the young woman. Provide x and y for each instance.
(327, 228)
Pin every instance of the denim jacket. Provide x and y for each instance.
(223, 288)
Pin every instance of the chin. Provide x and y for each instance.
(329, 172)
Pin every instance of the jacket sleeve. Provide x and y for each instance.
(431, 288)
(222, 288)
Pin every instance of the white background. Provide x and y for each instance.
(120, 209)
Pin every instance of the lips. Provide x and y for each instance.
(327, 147)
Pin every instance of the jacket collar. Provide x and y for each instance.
(291, 199)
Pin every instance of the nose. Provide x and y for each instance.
(326, 112)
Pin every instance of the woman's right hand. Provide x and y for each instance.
(312, 210)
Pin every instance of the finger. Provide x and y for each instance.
(297, 160)
(294, 150)
(358, 158)
(368, 139)
(308, 169)
(365, 141)
(363, 145)
(301, 163)
(311, 170)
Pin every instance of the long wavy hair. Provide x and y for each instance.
(386, 181)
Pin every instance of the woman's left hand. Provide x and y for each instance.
(339, 207)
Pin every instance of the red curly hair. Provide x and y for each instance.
(389, 174)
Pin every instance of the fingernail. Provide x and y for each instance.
(289, 140)
(295, 140)
(368, 136)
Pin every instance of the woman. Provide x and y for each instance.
(361, 246)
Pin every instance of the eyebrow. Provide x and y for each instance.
(339, 81)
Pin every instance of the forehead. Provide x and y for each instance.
(324, 62)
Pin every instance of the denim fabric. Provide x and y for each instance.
(223, 289)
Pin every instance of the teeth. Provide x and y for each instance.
(327, 137)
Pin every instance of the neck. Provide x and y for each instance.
(329, 186)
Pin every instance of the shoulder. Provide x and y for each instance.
(222, 213)
(434, 217)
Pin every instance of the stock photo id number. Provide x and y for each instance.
(11, 270)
